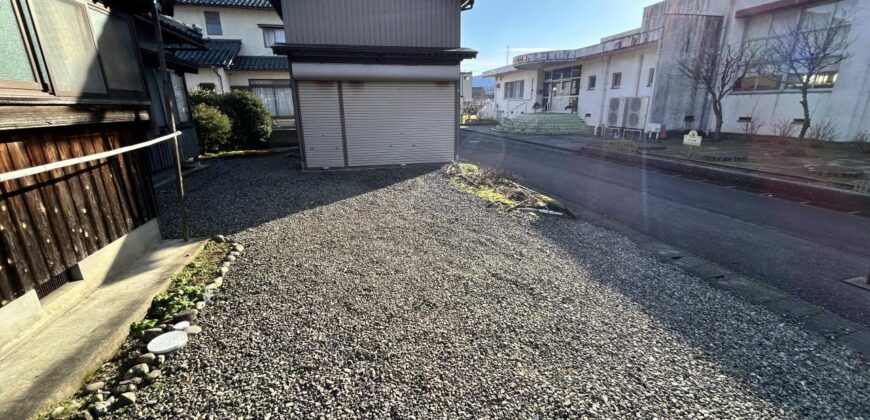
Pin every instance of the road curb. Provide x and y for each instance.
(778, 185)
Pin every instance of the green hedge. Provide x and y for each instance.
(251, 121)
(213, 128)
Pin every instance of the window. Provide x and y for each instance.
(69, 46)
(207, 86)
(514, 90)
(213, 23)
(617, 81)
(651, 77)
(822, 80)
(178, 92)
(592, 81)
(16, 69)
(115, 41)
(273, 35)
(276, 94)
(759, 82)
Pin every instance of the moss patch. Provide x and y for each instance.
(494, 186)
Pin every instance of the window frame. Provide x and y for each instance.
(613, 79)
(49, 91)
(38, 84)
(509, 89)
(592, 82)
(52, 68)
(272, 84)
(651, 75)
(205, 14)
(121, 93)
(264, 28)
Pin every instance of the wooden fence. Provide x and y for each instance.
(160, 155)
(51, 221)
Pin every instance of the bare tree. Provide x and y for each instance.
(718, 72)
(810, 54)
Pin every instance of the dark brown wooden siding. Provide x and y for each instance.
(51, 221)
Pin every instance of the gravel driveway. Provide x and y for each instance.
(388, 293)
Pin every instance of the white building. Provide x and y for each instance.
(239, 36)
(640, 66)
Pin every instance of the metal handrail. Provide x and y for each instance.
(21, 173)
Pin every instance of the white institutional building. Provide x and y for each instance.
(630, 80)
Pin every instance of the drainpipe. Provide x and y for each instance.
(220, 78)
(639, 76)
(604, 85)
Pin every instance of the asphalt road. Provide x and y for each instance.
(804, 250)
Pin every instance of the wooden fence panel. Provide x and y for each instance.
(51, 221)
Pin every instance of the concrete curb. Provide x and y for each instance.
(779, 185)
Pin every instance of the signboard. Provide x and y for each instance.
(692, 139)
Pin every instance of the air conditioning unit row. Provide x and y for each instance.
(627, 112)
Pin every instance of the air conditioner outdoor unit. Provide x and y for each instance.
(615, 112)
(635, 112)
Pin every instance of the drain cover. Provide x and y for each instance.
(181, 326)
(168, 343)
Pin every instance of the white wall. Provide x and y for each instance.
(207, 75)
(846, 105)
(241, 78)
(513, 107)
(236, 24)
(634, 66)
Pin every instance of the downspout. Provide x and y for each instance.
(220, 78)
(639, 76)
(604, 94)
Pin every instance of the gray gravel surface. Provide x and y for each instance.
(388, 293)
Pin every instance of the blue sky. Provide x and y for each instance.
(541, 25)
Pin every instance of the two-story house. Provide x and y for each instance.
(376, 81)
(239, 36)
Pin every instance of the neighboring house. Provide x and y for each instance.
(376, 81)
(630, 79)
(74, 82)
(240, 34)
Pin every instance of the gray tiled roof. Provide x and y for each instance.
(247, 62)
(247, 4)
(218, 52)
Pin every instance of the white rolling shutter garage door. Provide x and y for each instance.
(321, 123)
(389, 123)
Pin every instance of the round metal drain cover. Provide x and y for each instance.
(181, 326)
(168, 343)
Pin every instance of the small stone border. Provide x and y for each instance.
(724, 157)
(835, 171)
(136, 368)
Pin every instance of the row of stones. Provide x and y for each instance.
(144, 368)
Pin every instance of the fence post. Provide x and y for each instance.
(168, 94)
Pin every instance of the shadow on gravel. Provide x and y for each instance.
(236, 194)
(770, 357)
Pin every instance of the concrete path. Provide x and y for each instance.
(804, 250)
(52, 363)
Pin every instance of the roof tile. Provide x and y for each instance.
(218, 52)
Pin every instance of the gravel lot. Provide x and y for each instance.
(388, 293)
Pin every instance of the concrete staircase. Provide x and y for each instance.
(544, 124)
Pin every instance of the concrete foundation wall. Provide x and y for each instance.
(27, 314)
